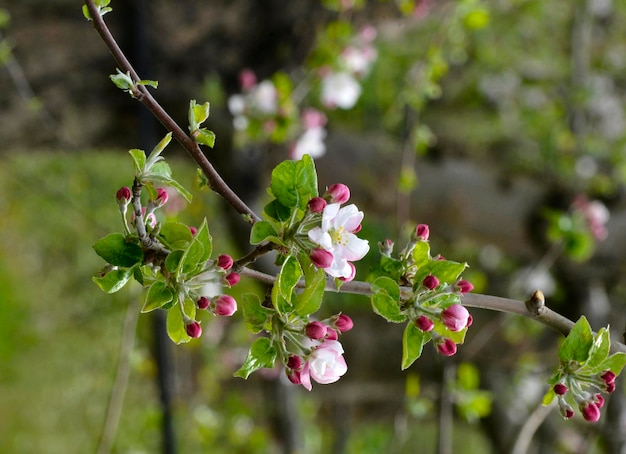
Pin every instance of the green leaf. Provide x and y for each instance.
(263, 231)
(175, 235)
(387, 308)
(176, 326)
(114, 280)
(262, 354)
(310, 299)
(599, 350)
(203, 236)
(578, 342)
(276, 210)
(116, 250)
(158, 295)
(205, 137)
(413, 341)
(615, 363)
(139, 159)
(155, 155)
(173, 260)
(386, 285)
(198, 113)
(294, 183)
(254, 313)
(447, 271)
(468, 376)
(421, 253)
(282, 290)
(149, 83)
(122, 81)
(549, 396)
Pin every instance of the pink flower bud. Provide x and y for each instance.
(247, 79)
(313, 118)
(316, 330)
(232, 279)
(161, 198)
(590, 411)
(123, 195)
(470, 321)
(422, 232)
(331, 334)
(338, 193)
(455, 317)
(464, 286)
(295, 362)
(225, 261)
(294, 376)
(446, 347)
(386, 247)
(424, 323)
(610, 387)
(343, 323)
(225, 305)
(193, 329)
(203, 302)
(560, 389)
(565, 409)
(599, 400)
(430, 282)
(321, 258)
(608, 377)
(193, 230)
(317, 205)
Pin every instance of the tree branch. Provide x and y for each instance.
(216, 183)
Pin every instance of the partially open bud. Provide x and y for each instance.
(317, 205)
(232, 279)
(430, 282)
(225, 261)
(422, 232)
(316, 330)
(321, 258)
(161, 198)
(343, 323)
(203, 302)
(446, 347)
(193, 329)
(295, 362)
(455, 317)
(424, 323)
(338, 193)
(225, 305)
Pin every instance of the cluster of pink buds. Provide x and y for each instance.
(336, 243)
(124, 198)
(588, 403)
(321, 357)
(455, 318)
(223, 305)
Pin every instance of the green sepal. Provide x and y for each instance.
(294, 183)
(175, 235)
(158, 295)
(114, 280)
(261, 354)
(578, 342)
(118, 251)
(413, 341)
(310, 299)
(255, 314)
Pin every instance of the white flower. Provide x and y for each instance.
(311, 143)
(336, 236)
(340, 90)
(326, 364)
(265, 98)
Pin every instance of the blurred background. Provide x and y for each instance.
(500, 124)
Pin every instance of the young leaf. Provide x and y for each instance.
(294, 183)
(310, 299)
(113, 280)
(413, 341)
(198, 113)
(599, 350)
(149, 83)
(262, 231)
(615, 363)
(116, 250)
(446, 270)
(278, 211)
(173, 260)
(549, 396)
(205, 137)
(176, 326)
(577, 343)
(158, 295)
(387, 307)
(388, 286)
(139, 159)
(421, 253)
(254, 313)
(155, 155)
(290, 274)
(175, 235)
(262, 354)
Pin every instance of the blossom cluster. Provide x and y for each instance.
(595, 214)
(318, 354)
(336, 245)
(589, 403)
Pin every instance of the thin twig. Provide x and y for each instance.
(216, 182)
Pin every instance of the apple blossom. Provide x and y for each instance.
(455, 317)
(335, 236)
(247, 79)
(340, 90)
(325, 365)
(422, 232)
(311, 142)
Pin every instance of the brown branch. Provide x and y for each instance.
(142, 94)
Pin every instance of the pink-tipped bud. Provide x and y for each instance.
(608, 377)
(610, 387)
(455, 317)
(193, 329)
(316, 330)
(430, 282)
(123, 195)
(161, 198)
(338, 193)
(232, 279)
(446, 347)
(321, 258)
(295, 362)
(470, 321)
(331, 335)
(344, 323)
(203, 302)
(193, 230)
(560, 389)
(424, 323)
(565, 409)
(225, 261)
(464, 286)
(317, 205)
(422, 232)
(590, 411)
(599, 400)
(293, 376)
(225, 305)
(386, 247)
